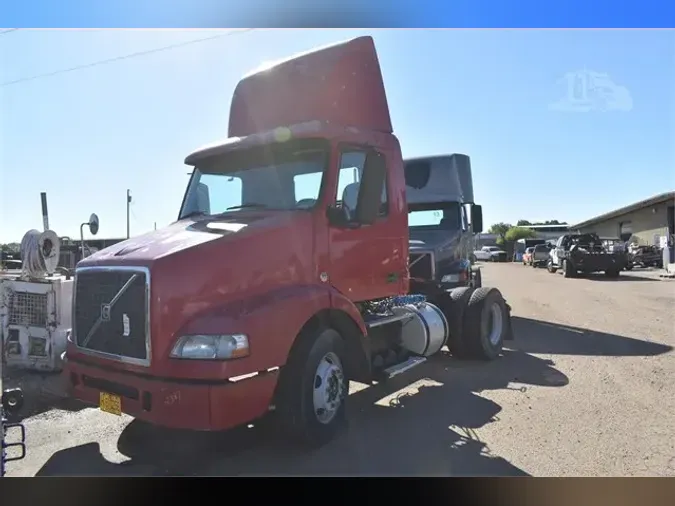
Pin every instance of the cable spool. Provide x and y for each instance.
(40, 253)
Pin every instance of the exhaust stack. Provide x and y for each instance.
(45, 213)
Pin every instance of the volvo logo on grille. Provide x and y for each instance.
(105, 312)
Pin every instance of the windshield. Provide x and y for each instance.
(281, 177)
(444, 216)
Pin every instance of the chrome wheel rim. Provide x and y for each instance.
(329, 391)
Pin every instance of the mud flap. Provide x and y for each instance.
(509, 327)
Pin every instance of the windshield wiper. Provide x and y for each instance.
(250, 204)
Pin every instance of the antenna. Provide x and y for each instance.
(128, 204)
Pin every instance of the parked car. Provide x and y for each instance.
(490, 254)
(527, 256)
(540, 255)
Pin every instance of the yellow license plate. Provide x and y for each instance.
(110, 403)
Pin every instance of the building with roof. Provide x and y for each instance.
(646, 221)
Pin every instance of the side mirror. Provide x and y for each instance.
(370, 191)
(93, 224)
(337, 216)
(477, 218)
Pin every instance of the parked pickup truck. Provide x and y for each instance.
(540, 255)
(584, 253)
(490, 254)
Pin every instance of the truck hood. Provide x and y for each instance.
(185, 235)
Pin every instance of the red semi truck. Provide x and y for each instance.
(287, 273)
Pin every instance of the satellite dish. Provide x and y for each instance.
(93, 224)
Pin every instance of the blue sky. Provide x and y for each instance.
(88, 135)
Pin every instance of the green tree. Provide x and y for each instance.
(515, 233)
(523, 223)
(499, 229)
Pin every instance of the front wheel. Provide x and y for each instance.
(313, 388)
(550, 267)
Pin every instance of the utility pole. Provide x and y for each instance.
(128, 204)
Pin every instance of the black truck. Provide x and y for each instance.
(584, 254)
(442, 221)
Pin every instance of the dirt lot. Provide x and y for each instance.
(586, 390)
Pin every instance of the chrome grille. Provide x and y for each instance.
(111, 312)
(421, 266)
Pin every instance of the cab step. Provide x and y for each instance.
(397, 369)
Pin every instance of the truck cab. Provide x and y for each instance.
(442, 221)
(286, 274)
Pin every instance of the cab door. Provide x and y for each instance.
(367, 261)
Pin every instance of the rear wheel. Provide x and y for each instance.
(612, 273)
(454, 307)
(485, 324)
(568, 269)
(313, 388)
(550, 267)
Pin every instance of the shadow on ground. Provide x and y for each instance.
(425, 423)
(641, 275)
(623, 277)
(41, 391)
(534, 336)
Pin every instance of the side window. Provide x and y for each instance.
(351, 168)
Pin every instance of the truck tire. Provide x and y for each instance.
(550, 267)
(485, 324)
(568, 269)
(454, 308)
(477, 279)
(313, 388)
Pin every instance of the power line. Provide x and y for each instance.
(9, 30)
(123, 57)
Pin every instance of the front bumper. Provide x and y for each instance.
(176, 403)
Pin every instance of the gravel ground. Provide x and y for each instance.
(587, 390)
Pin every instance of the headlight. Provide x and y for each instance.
(454, 278)
(211, 347)
(450, 278)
